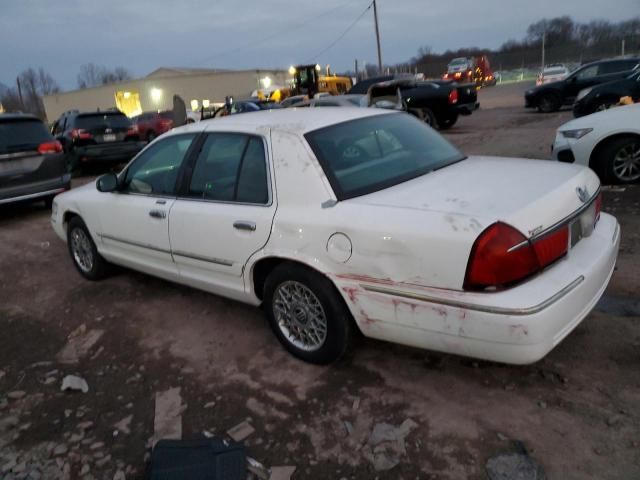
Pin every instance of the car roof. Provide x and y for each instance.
(295, 120)
(17, 116)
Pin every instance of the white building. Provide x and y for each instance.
(196, 86)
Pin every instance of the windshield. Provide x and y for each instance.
(554, 71)
(459, 61)
(369, 154)
(22, 135)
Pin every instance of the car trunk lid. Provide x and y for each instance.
(103, 127)
(530, 195)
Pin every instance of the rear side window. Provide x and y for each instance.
(22, 135)
(102, 120)
(231, 168)
(614, 67)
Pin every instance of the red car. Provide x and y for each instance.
(152, 124)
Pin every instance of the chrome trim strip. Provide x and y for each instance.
(32, 195)
(217, 261)
(472, 306)
(558, 224)
(135, 244)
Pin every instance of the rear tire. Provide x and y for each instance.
(429, 117)
(84, 252)
(548, 103)
(618, 162)
(151, 135)
(448, 122)
(307, 314)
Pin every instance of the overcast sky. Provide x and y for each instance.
(142, 35)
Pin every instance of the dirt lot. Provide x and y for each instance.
(577, 411)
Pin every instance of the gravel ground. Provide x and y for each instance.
(132, 336)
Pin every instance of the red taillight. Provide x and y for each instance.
(552, 246)
(133, 130)
(598, 209)
(446, 75)
(453, 96)
(457, 75)
(502, 256)
(50, 147)
(79, 133)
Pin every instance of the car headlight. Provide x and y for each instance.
(577, 133)
(583, 93)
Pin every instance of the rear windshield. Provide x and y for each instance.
(22, 135)
(369, 154)
(102, 120)
(167, 115)
(555, 71)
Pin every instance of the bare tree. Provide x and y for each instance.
(34, 84)
(92, 75)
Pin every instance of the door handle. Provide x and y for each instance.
(244, 225)
(158, 214)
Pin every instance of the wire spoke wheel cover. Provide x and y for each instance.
(626, 163)
(81, 249)
(300, 316)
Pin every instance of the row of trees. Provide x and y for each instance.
(32, 84)
(565, 41)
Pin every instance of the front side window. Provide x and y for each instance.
(369, 154)
(155, 171)
(231, 168)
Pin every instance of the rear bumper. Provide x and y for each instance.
(36, 190)
(517, 326)
(467, 108)
(122, 151)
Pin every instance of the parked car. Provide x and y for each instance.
(289, 101)
(552, 73)
(340, 219)
(349, 100)
(97, 137)
(244, 106)
(436, 102)
(152, 124)
(551, 97)
(608, 142)
(32, 163)
(602, 97)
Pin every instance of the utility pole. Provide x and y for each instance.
(544, 35)
(623, 47)
(357, 76)
(20, 94)
(375, 18)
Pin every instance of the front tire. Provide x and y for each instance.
(307, 314)
(83, 251)
(619, 161)
(549, 103)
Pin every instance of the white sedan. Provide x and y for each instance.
(339, 219)
(608, 142)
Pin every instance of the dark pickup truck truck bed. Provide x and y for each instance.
(437, 102)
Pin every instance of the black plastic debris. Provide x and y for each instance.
(206, 459)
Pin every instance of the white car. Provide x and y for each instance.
(552, 73)
(337, 219)
(608, 142)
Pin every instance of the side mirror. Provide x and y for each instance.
(107, 183)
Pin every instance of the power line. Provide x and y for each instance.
(332, 44)
(279, 32)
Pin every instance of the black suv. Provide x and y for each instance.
(93, 137)
(32, 163)
(551, 96)
(601, 97)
